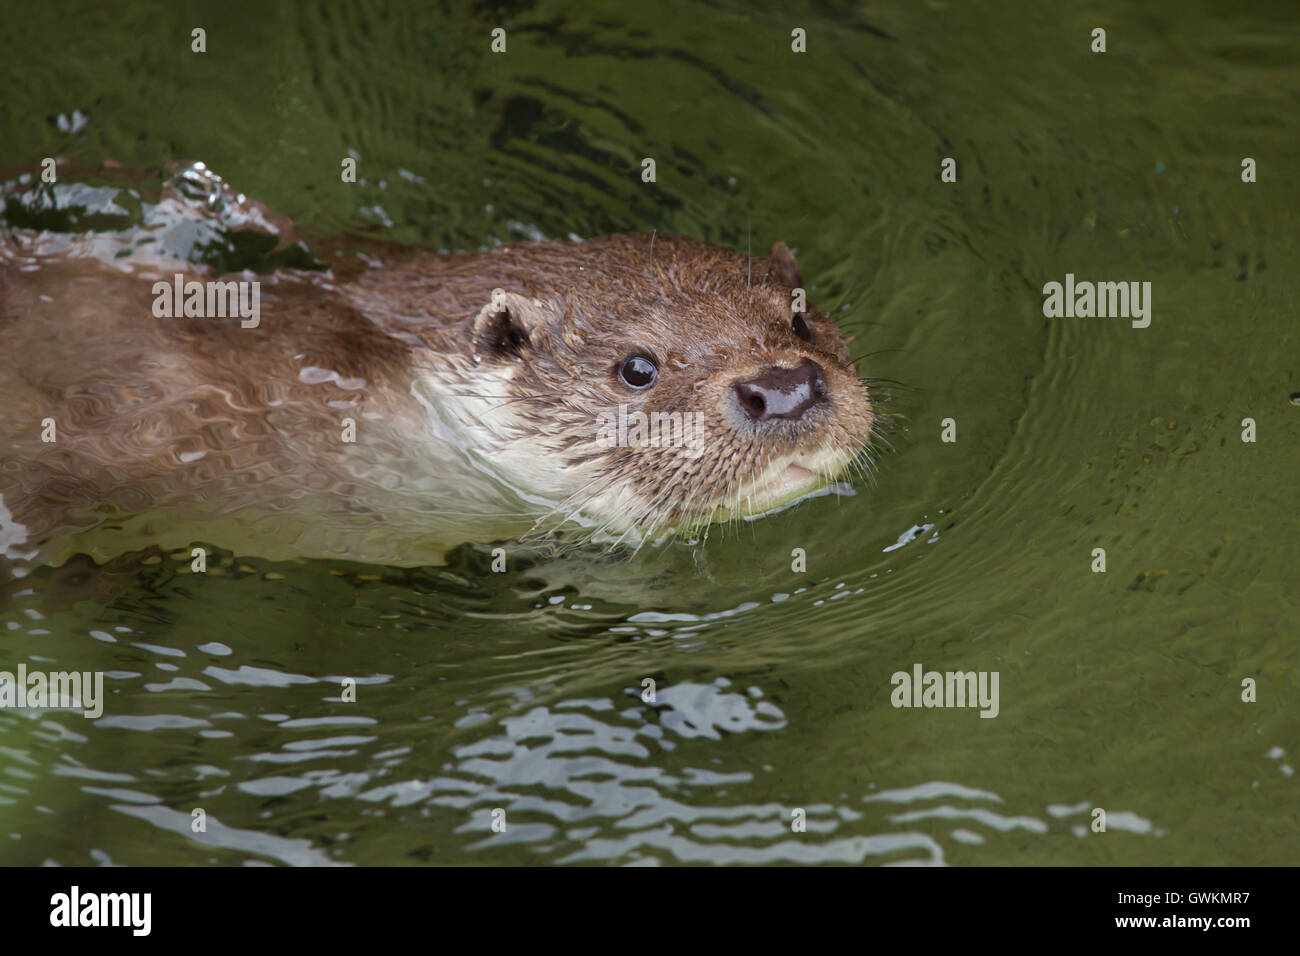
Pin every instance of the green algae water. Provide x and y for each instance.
(733, 700)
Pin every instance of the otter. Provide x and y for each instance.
(405, 401)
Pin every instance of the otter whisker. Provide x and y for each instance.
(855, 359)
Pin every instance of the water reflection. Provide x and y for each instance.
(586, 779)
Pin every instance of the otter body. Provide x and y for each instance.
(408, 401)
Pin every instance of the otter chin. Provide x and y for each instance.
(405, 401)
(789, 482)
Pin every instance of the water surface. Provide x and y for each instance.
(478, 691)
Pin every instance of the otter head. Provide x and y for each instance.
(658, 384)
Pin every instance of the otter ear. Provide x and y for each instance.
(505, 326)
(782, 266)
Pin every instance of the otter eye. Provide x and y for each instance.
(801, 327)
(638, 372)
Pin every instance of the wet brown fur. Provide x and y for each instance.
(131, 392)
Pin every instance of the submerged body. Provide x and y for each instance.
(408, 401)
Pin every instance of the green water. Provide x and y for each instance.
(1119, 690)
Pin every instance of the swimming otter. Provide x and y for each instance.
(407, 401)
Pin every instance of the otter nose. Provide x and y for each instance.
(782, 392)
